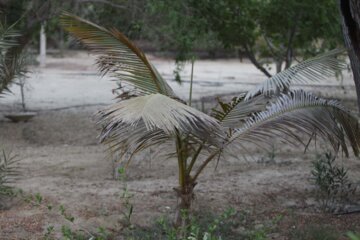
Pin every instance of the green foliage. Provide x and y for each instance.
(315, 232)
(66, 215)
(204, 227)
(229, 225)
(282, 30)
(69, 234)
(12, 66)
(278, 20)
(226, 108)
(174, 26)
(353, 236)
(126, 198)
(332, 181)
(233, 22)
(70, 231)
(49, 232)
(7, 172)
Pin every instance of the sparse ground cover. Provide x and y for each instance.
(271, 193)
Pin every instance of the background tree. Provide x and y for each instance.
(173, 26)
(350, 14)
(279, 29)
(297, 28)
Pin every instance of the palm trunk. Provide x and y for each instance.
(185, 195)
(185, 190)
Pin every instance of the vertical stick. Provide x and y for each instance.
(42, 45)
(22, 83)
(191, 79)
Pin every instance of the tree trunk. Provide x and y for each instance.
(350, 14)
(185, 196)
(278, 65)
(249, 53)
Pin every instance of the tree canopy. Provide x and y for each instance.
(281, 30)
(263, 30)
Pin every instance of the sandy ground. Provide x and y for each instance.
(74, 81)
(61, 159)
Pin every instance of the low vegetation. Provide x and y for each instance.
(334, 188)
(7, 173)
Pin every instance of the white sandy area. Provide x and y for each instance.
(73, 81)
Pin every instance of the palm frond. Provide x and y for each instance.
(235, 113)
(118, 56)
(128, 141)
(7, 171)
(311, 70)
(8, 37)
(156, 112)
(12, 66)
(300, 113)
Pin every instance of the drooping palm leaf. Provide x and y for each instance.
(117, 55)
(311, 70)
(128, 140)
(8, 37)
(139, 116)
(12, 66)
(301, 113)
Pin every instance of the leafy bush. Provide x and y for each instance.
(332, 181)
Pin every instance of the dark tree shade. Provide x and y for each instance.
(350, 12)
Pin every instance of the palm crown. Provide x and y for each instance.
(155, 115)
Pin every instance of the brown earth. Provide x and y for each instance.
(61, 160)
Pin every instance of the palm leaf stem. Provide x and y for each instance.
(179, 151)
(204, 164)
(194, 158)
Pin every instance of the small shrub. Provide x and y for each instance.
(315, 232)
(7, 173)
(126, 198)
(332, 181)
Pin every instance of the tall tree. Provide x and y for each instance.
(350, 12)
(275, 29)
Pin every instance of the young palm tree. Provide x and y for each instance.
(151, 114)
